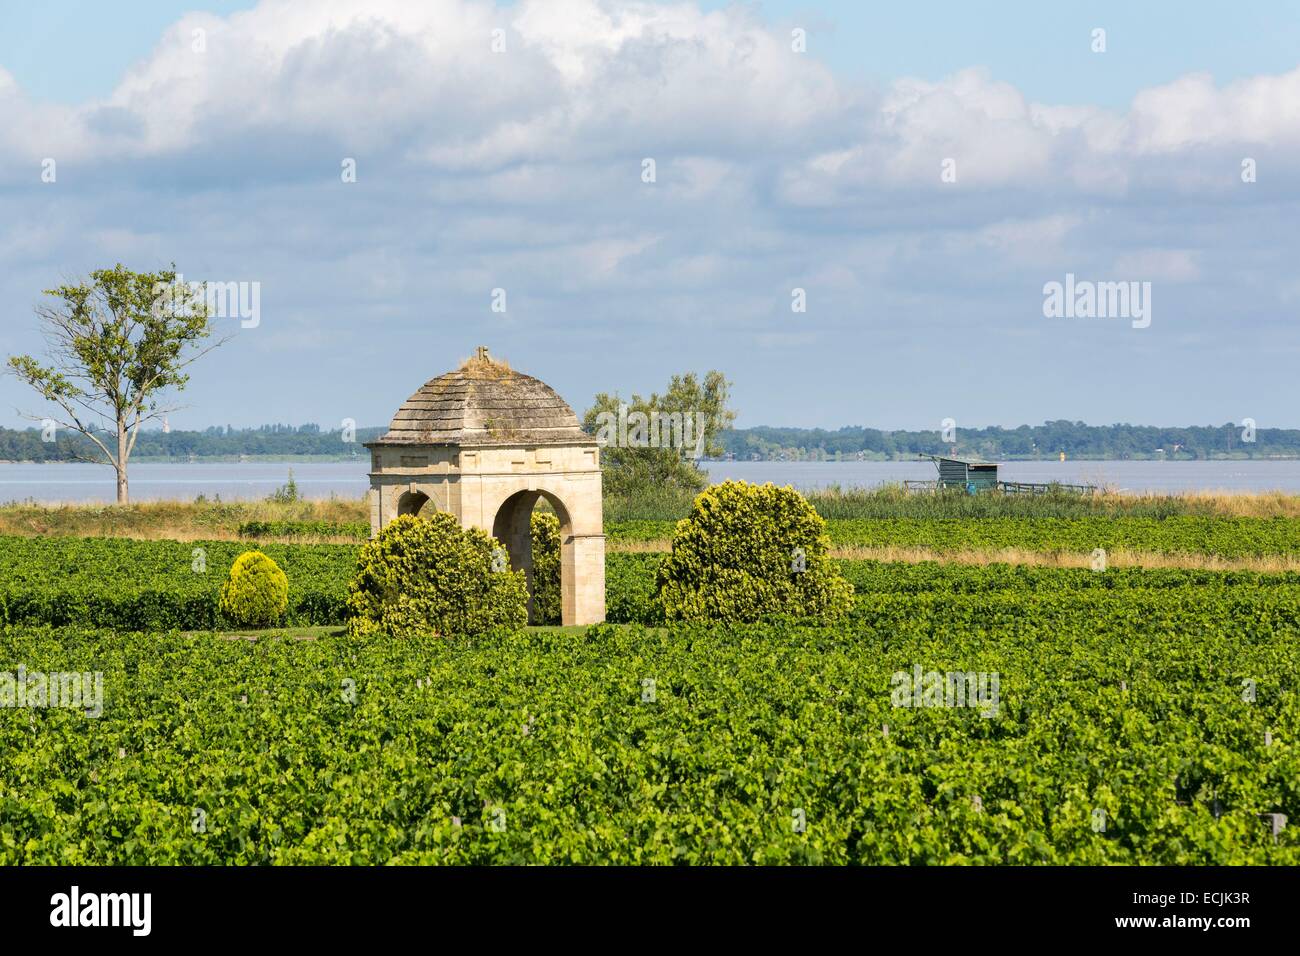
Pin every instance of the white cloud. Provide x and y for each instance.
(576, 78)
(523, 170)
(1192, 111)
(584, 80)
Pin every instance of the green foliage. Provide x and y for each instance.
(1127, 702)
(431, 576)
(278, 441)
(642, 530)
(1035, 442)
(630, 596)
(304, 529)
(116, 343)
(1121, 691)
(286, 494)
(749, 552)
(545, 528)
(126, 584)
(1079, 441)
(1023, 581)
(1182, 534)
(1220, 535)
(257, 592)
(630, 472)
(648, 502)
(896, 501)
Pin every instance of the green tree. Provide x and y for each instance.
(115, 345)
(661, 455)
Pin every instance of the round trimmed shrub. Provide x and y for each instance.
(545, 528)
(748, 552)
(429, 575)
(256, 594)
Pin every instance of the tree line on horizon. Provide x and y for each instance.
(1046, 441)
(29, 444)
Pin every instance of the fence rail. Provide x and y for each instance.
(1042, 488)
(1008, 487)
(913, 484)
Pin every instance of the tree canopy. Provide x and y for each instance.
(115, 345)
(654, 441)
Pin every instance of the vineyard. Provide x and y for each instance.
(1224, 537)
(1143, 715)
(123, 583)
(128, 584)
(1124, 739)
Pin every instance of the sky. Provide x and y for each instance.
(857, 211)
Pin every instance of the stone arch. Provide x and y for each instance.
(512, 526)
(411, 502)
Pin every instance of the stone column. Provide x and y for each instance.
(582, 576)
(375, 501)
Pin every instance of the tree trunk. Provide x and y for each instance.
(123, 495)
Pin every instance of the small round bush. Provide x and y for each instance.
(257, 593)
(749, 552)
(431, 576)
(545, 528)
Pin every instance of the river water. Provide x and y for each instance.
(67, 481)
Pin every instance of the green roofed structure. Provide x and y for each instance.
(965, 473)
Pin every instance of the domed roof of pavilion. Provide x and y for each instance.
(485, 402)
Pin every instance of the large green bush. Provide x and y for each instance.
(430, 575)
(749, 552)
(257, 592)
(545, 528)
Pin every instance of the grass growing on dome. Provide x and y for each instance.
(483, 364)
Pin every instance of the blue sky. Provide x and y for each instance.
(775, 171)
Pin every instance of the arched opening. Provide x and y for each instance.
(411, 502)
(549, 585)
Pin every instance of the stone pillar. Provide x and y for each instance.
(375, 501)
(582, 579)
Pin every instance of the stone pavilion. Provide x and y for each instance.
(485, 443)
